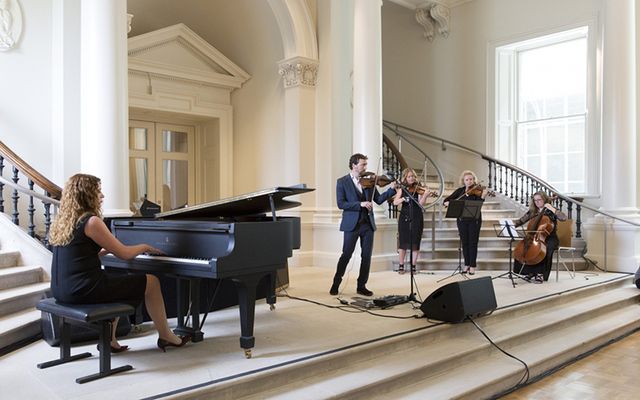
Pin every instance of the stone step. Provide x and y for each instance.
(12, 277)
(9, 258)
(19, 326)
(447, 361)
(21, 298)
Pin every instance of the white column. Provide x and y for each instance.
(616, 245)
(104, 97)
(367, 80)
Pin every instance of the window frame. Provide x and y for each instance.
(502, 60)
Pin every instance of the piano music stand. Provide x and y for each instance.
(508, 230)
(462, 209)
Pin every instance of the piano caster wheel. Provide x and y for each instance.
(247, 353)
(272, 307)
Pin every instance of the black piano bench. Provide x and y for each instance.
(96, 316)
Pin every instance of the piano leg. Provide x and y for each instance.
(246, 286)
(193, 286)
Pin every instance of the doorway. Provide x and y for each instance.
(161, 164)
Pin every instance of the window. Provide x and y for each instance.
(542, 102)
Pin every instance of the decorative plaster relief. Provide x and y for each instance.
(10, 24)
(298, 71)
(433, 15)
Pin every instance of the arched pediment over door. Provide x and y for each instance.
(175, 76)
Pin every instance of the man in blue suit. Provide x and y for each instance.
(357, 221)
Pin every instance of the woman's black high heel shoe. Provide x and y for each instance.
(163, 344)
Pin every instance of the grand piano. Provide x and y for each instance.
(240, 239)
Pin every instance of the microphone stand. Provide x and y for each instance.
(412, 295)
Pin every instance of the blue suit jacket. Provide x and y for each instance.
(348, 201)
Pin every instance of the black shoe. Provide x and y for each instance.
(334, 289)
(364, 291)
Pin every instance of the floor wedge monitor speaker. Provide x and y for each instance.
(456, 301)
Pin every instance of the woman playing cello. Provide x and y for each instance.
(469, 229)
(540, 203)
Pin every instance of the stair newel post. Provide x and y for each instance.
(15, 197)
(31, 211)
(47, 221)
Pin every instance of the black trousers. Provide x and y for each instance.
(469, 230)
(364, 232)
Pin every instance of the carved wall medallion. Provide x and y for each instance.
(10, 24)
(298, 71)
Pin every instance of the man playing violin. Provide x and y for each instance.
(540, 203)
(356, 203)
(469, 228)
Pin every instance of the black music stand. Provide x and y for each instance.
(463, 209)
(506, 229)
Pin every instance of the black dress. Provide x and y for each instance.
(77, 275)
(410, 224)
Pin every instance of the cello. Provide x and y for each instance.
(533, 248)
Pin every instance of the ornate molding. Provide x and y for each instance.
(298, 71)
(10, 24)
(431, 16)
(129, 19)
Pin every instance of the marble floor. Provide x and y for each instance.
(310, 323)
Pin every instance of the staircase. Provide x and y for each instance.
(454, 361)
(23, 263)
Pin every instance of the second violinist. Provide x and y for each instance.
(410, 220)
(469, 229)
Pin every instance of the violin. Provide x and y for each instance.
(477, 189)
(369, 179)
(421, 189)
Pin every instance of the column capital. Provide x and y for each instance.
(298, 71)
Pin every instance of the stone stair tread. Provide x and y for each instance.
(18, 319)
(477, 374)
(19, 269)
(386, 369)
(23, 290)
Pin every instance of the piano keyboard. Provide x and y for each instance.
(178, 260)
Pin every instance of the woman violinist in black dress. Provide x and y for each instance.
(469, 228)
(410, 221)
(79, 237)
(540, 203)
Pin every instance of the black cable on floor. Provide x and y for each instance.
(525, 376)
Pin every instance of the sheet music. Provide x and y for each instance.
(508, 228)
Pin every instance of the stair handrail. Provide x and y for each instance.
(509, 166)
(29, 192)
(54, 190)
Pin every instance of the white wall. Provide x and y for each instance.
(440, 87)
(26, 89)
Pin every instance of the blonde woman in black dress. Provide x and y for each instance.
(410, 220)
(468, 229)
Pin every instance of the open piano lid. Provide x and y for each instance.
(255, 203)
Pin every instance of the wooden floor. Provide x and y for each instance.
(611, 373)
